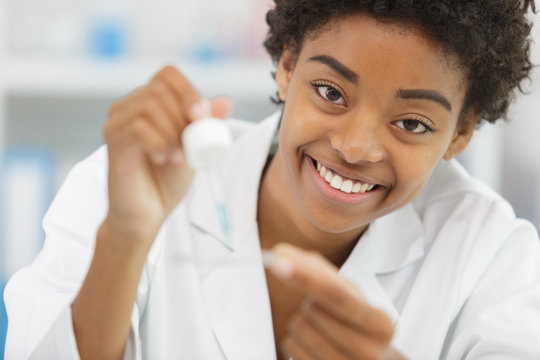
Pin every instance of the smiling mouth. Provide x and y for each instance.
(342, 183)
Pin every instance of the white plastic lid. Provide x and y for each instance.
(206, 142)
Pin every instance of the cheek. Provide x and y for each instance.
(301, 125)
(413, 170)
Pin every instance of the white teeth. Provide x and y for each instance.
(346, 185)
(328, 177)
(336, 182)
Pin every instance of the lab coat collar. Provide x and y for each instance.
(390, 243)
(399, 240)
(239, 177)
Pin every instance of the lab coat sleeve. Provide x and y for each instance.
(38, 298)
(501, 317)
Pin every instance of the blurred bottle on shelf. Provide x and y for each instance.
(109, 29)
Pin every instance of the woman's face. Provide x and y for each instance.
(376, 106)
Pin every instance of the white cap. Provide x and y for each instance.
(206, 142)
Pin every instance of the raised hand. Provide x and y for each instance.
(148, 175)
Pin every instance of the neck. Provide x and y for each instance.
(281, 219)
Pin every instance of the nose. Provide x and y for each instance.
(358, 139)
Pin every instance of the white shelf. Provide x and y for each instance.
(92, 78)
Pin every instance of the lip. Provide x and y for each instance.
(336, 195)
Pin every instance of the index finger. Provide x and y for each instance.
(184, 92)
(313, 275)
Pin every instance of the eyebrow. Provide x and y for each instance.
(337, 66)
(425, 95)
(406, 94)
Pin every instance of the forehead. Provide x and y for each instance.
(400, 54)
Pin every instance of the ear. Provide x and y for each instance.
(284, 72)
(463, 133)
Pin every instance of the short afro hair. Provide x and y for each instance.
(489, 37)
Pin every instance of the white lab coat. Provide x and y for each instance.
(455, 270)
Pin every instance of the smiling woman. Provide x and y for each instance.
(381, 245)
(369, 116)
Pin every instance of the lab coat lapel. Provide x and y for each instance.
(234, 281)
(360, 270)
(400, 240)
(238, 304)
(389, 244)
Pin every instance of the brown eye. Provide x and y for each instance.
(330, 94)
(410, 125)
(413, 126)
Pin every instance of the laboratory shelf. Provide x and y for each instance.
(79, 77)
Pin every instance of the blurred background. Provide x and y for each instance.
(63, 63)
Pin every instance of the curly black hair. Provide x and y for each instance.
(489, 37)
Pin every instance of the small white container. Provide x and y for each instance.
(206, 142)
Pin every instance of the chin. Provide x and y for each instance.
(333, 223)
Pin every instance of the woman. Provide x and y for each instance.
(384, 248)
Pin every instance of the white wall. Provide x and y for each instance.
(2, 82)
(521, 157)
(507, 155)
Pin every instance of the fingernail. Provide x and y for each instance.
(160, 159)
(268, 258)
(177, 156)
(200, 109)
(283, 268)
(280, 266)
